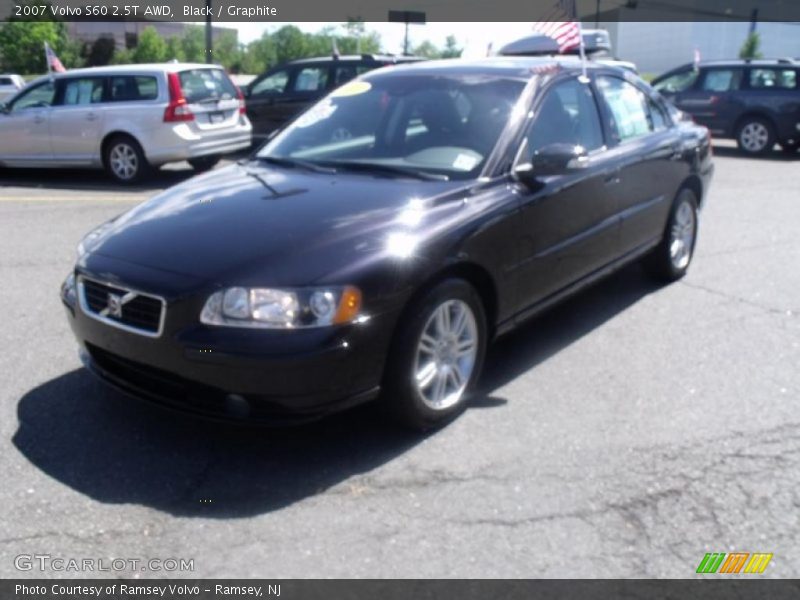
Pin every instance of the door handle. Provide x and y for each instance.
(91, 117)
(38, 119)
(612, 176)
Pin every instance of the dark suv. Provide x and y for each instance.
(755, 102)
(283, 92)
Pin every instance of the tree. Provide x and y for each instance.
(150, 47)
(194, 44)
(175, 48)
(101, 52)
(427, 50)
(750, 48)
(451, 49)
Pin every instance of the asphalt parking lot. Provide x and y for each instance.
(624, 434)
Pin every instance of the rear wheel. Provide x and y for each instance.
(670, 260)
(124, 159)
(755, 136)
(437, 356)
(204, 163)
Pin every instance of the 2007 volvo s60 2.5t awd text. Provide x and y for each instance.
(378, 243)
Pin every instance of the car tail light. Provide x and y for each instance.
(242, 107)
(177, 109)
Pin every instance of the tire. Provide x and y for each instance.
(670, 260)
(420, 350)
(204, 163)
(124, 159)
(755, 136)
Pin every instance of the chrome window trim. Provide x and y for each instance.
(85, 309)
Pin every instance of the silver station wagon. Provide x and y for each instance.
(126, 119)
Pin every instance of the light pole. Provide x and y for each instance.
(209, 40)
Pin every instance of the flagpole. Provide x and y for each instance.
(47, 60)
(584, 76)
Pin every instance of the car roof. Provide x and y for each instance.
(170, 67)
(521, 67)
(391, 58)
(741, 62)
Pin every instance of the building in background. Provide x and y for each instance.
(126, 33)
(657, 47)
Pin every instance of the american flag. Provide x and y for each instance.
(561, 25)
(52, 60)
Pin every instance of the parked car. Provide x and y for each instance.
(322, 272)
(280, 94)
(10, 85)
(125, 119)
(755, 102)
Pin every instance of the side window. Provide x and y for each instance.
(40, 96)
(568, 115)
(722, 80)
(658, 119)
(127, 88)
(272, 84)
(773, 79)
(344, 73)
(311, 79)
(680, 82)
(86, 90)
(630, 114)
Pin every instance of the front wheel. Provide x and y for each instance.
(670, 260)
(437, 356)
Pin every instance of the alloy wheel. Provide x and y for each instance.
(446, 354)
(124, 161)
(754, 137)
(682, 234)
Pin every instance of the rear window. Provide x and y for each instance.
(126, 88)
(775, 79)
(206, 84)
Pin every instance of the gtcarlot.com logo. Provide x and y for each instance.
(46, 562)
(734, 563)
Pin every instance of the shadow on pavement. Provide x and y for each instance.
(90, 179)
(117, 450)
(777, 154)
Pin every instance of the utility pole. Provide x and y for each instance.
(209, 40)
(406, 16)
(597, 16)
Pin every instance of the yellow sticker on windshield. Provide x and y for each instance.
(353, 88)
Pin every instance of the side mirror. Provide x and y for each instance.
(553, 159)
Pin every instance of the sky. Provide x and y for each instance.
(473, 37)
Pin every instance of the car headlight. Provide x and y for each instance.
(68, 292)
(270, 308)
(90, 240)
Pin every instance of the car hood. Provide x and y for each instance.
(251, 223)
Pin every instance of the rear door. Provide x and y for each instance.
(25, 126)
(570, 224)
(649, 159)
(714, 100)
(77, 119)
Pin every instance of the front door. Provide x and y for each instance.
(25, 127)
(713, 100)
(570, 225)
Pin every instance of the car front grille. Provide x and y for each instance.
(121, 307)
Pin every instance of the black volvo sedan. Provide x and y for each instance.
(375, 246)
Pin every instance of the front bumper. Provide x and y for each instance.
(266, 376)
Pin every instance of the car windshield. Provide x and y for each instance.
(431, 126)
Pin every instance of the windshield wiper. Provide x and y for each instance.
(293, 162)
(369, 167)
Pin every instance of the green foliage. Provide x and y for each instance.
(150, 48)
(22, 46)
(451, 49)
(100, 52)
(750, 47)
(426, 49)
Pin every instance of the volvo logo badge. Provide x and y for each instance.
(114, 306)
